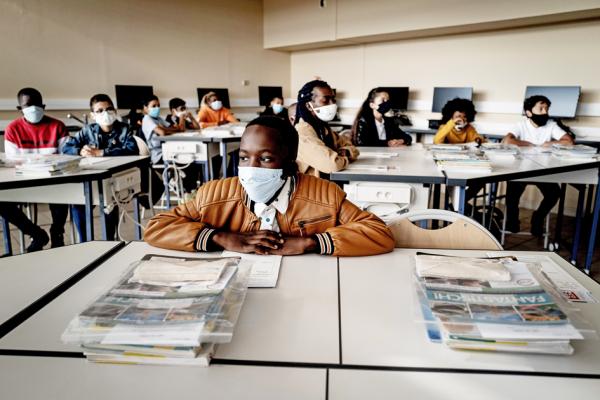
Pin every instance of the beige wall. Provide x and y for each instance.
(71, 49)
(294, 24)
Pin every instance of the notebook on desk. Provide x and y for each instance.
(265, 268)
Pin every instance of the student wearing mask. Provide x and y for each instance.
(107, 136)
(180, 116)
(374, 126)
(457, 116)
(534, 130)
(270, 208)
(35, 133)
(320, 150)
(212, 112)
(275, 108)
(154, 125)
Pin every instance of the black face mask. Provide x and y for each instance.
(384, 107)
(539, 119)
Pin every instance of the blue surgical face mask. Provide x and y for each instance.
(216, 105)
(154, 112)
(261, 184)
(277, 108)
(33, 114)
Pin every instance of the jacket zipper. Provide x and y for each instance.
(304, 222)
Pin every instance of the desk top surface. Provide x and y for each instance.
(408, 164)
(275, 324)
(26, 278)
(74, 378)
(380, 290)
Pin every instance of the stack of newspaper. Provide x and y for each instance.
(577, 152)
(494, 304)
(462, 162)
(164, 310)
(500, 150)
(47, 165)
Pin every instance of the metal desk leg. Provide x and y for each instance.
(559, 216)
(578, 220)
(206, 169)
(6, 234)
(594, 230)
(101, 209)
(136, 216)
(461, 199)
(435, 203)
(89, 211)
(223, 152)
(166, 184)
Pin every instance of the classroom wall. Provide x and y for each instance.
(297, 24)
(72, 49)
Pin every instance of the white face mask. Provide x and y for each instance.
(261, 184)
(33, 114)
(105, 118)
(325, 113)
(180, 114)
(460, 126)
(216, 105)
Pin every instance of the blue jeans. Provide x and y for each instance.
(112, 219)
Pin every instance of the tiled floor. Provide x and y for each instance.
(513, 242)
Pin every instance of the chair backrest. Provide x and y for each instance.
(462, 233)
(142, 146)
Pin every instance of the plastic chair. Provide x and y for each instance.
(462, 233)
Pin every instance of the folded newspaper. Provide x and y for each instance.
(481, 269)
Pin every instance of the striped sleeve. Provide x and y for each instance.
(325, 243)
(203, 241)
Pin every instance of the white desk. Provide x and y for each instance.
(411, 165)
(379, 328)
(392, 385)
(25, 279)
(296, 322)
(32, 378)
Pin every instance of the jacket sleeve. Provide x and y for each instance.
(360, 233)
(443, 131)
(203, 118)
(312, 151)
(128, 147)
(361, 136)
(230, 117)
(181, 228)
(74, 144)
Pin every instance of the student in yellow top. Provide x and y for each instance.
(212, 112)
(457, 116)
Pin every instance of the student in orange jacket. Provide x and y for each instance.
(212, 112)
(270, 208)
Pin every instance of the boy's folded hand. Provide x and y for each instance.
(259, 242)
(294, 245)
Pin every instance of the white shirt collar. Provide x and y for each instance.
(267, 213)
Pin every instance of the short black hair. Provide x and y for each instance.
(97, 98)
(288, 138)
(149, 99)
(34, 95)
(530, 102)
(460, 105)
(176, 102)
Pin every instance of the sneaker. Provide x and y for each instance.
(57, 240)
(38, 241)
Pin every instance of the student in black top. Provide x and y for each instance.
(180, 116)
(275, 108)
(373, 127)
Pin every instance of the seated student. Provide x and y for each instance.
(152, 126)
(35, 133)
(372, 126)
(276, 108)
(320, 150)
(180, 116)
(212, 112)
(270, 208)
(534, 130)
(456, 127)
(106, 136)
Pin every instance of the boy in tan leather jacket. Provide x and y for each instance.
(270, 208)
